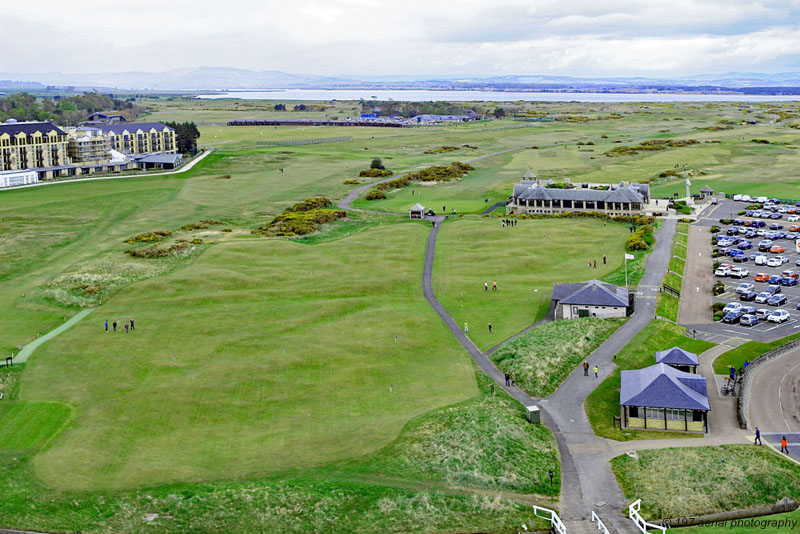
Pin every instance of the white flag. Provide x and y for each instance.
(628, 256)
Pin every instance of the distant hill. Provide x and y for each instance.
(227, 78)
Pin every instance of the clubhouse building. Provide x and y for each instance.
(530, 197)
(51, 152)
(591, 299)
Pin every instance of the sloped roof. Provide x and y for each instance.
(28, 128)
(131, 127)
(591, 293)
(706, 189)
(662, 386)
(535, 191)
(417, 207)
(677, 356)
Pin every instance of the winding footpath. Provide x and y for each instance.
(23, 355)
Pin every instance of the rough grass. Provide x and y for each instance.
(748, 351)
(543, 357)
(679, 250)
(702, 480)
(682, 239)
(677, 265)
(667, 306)
(485, 442)
(603, 403)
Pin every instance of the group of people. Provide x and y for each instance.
(508, 222)
(510, 379)
(128, 326)
(486, 286)
(586, 369)
(593, 263)
(784, 442)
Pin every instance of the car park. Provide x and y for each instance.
(762, 297)
(732, 317)
(732, 307)
(779, 316)
(788, 281)
(739, 272)
(777, 300)
(745, 286)
(748, 320)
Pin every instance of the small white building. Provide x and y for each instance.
(417, 211)
(15, 178)
(591, 299)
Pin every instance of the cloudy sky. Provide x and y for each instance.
(452, 37)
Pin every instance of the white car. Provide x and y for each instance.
(793, 218)
(739, 272)
(763, 200)
(774, 262)
(762, 297)
(779, 316)
(732, 307)
(722, 271)
(737, 197)
(745, 287)
(783, 259)
(746, 198)
(761, 232)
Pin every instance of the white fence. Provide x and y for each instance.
(641, 524)
(600, 525)
(550, 515)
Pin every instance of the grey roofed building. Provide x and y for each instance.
(28, 128)
(706, 190)
(677, 356)
(532, 197)
(131, 127)
(593, 292)
(662, 386)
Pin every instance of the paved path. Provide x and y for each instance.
(695, 303)
(121, 176)
(23, 355)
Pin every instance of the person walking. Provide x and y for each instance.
(513, 382)
(784, 445)
(585, 368)
(114, 326)
(595, 371)
(466, 327)
(132, 327)
(106, 326)
(604, 259)
(757, 441)
(508, 379)
(486, 286)
(126, 328)
(490, 328)
(494, 285)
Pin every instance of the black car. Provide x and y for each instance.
(773, 289)
(732, 317)
(430, 213)
(777, 300)
(747, 296)
(776, 226)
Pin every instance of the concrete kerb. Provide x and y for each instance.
(752, 369)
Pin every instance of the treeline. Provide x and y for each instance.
(186, 136)
(390, 108)
(64, 111)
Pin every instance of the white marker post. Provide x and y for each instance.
(627, 257)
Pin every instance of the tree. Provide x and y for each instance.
(300, 107)
(499, 113)
(377, 164)
(186, 135)
(280, 107)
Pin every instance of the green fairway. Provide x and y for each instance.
(363, 354)
(28, 425)
(525, 261)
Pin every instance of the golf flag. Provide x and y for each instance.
(628, 256)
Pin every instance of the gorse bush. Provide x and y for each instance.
(439, 173)
(302, 218)
(375, 173)
(200, 225)
(441, 150)
(641, 239)
(650, 145)
(148, 237)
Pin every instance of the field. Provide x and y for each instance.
(268, 377)
(525, 261)
(603, 403)
(684, 482)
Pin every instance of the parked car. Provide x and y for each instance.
(788, 281)
(738, 222)
(745, 245)
(748, 320)
(737, 197)
(738, 255)
(777, 300)
(732, 307)
(773, 290)
(782, 259)
(750, 234)
(739, 272)
(779, 316)
(748, 310)
(774, 262)
(763, 313)
(761, 277)
(789, 273)
(745, 286)
(774, 279)
(775, 226)
(757, 255)
(797, 262)
(733, 230)
(722, 271)
(793, 218)
(732, 317)
(777, 249)
(765, 245)
(791, 236)
(762, 297)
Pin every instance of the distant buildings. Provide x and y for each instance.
(48, 151)
(530, 197)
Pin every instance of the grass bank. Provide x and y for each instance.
(748, 351)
